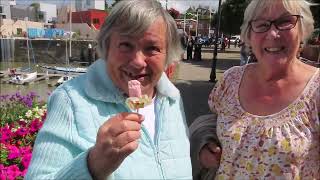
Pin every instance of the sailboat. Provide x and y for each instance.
(68, 69)
(63, 70)
(23, 77)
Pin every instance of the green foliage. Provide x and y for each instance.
(12, 106)
(38, 15)
(232, 12)
(316, 14)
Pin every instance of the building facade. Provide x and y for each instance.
(49, 12)
(5, 12)
(23, 12)
(83, 5)
(93, 17)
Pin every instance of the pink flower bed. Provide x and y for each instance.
(21, 119)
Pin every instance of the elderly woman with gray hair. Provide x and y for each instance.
(90, 132)
(268, 123)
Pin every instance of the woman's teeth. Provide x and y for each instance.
(273, 49)
(132, 76)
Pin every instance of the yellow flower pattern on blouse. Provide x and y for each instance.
(284, 145)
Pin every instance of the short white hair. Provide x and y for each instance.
(295, 7)
(133, 17)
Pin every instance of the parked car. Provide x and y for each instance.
(206, 41)
(234, 39)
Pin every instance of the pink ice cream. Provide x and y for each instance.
(134, 88)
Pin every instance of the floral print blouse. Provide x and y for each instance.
(284, 145)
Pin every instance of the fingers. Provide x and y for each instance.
(130, 116)
(213, 147)
(122, 122)
(126, 138)
(124, 126)
(210, 155)
(129, 148)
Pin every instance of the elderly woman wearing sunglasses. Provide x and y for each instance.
(268, 112)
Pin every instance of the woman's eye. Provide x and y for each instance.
(262, 25)
(125, 46)
(153, 49)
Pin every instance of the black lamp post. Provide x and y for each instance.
(215, 52)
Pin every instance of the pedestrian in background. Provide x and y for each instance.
(244, 54)
(190, 44)
(197, 50)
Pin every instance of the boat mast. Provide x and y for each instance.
(70, 24)
(27, 36)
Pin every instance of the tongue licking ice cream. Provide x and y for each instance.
(135, 99)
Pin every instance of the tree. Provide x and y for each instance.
(107, 8)
(36, 7)
(316, 13)
(232, 12)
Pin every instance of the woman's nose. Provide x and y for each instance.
(139, 60)
(273, 32)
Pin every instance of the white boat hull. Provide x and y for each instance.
(63, 70)
(23, 78)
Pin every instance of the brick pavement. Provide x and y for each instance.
(192, 80)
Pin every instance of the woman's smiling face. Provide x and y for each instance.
(141, 58)
(275, 47)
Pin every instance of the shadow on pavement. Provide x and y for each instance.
(195, 97)
(222, 64)
(227, 50)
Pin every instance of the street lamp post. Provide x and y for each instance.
(209, 21)
(215, 52)
(197, 23)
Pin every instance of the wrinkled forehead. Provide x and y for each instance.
(271, 8)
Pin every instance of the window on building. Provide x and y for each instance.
(1, 9)
(88, 2)
(3, 16)
(96, 21)
(19, 31)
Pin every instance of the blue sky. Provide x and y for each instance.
(180, 5)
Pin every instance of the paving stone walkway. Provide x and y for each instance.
(193, 79)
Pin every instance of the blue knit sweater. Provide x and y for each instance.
(79, 107)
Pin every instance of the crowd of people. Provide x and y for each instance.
(265, 115)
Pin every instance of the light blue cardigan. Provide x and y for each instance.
(79, 107)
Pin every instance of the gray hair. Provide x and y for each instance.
(296, 7)
(133, 17)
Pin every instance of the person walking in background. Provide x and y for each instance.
(92, 133)
(190, 44)
(90, 53)
(267, 112)
(184, 41)
(197, 50)
(244, 54)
